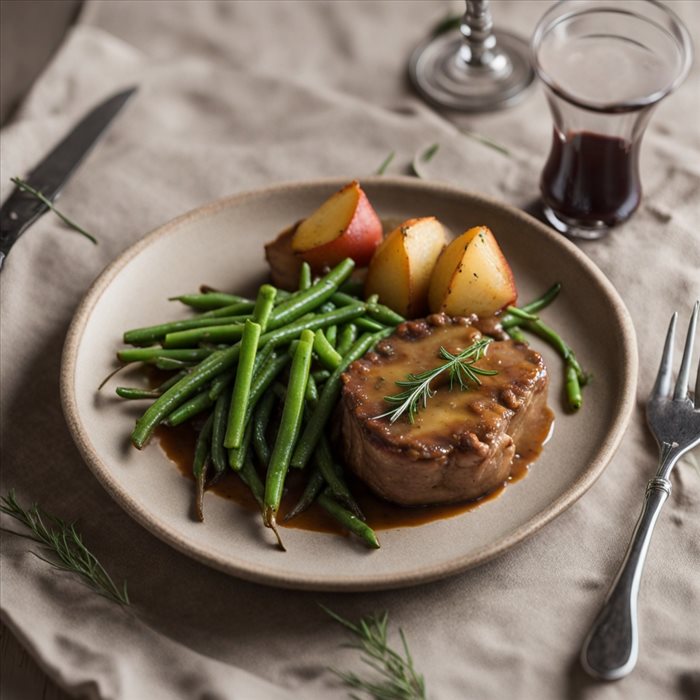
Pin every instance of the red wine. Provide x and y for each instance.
(592, 178)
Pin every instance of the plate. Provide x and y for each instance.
(221, 244)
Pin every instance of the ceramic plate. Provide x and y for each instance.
(221, 244)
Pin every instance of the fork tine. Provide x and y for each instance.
(681, 391)
(662, 385)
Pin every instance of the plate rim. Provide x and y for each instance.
(386, 581)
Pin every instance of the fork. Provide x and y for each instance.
(611, 648)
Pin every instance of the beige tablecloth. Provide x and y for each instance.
(235, 95)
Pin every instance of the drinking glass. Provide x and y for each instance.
(477, 70)
(605, 65)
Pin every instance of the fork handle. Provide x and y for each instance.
(611, 647)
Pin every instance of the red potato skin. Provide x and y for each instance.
(358, 241)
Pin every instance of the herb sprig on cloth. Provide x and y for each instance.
(461, 369)
(398, 678)
(23, 186)
(66, 545)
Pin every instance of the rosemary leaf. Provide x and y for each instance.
(461, 368)
(486, 141)
(385, 163)
(26, 187)
(65, 545)
(397, 676)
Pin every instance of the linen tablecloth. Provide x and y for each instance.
(236, 95)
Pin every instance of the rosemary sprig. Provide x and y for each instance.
(23, 186)
(385, 163)
(65, 543)
(398, 679)
(461, 368)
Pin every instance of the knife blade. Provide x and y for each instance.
(22, 209)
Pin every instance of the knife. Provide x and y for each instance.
(22, 209)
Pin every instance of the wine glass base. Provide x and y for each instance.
(442, 77)
(588, 231)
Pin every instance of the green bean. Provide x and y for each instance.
(311, 490)
(212, 334)
(332, 475)
(343, 299)
(129, 393)
(573, 388)
(217, 363)
(210, 300)
(326, 307)
(153, 354)
(218, 452)
(219, 383)
(240, 311)
(237, 455)
(329, 397)
(347, 336)
(348, 520)
(368, 324)
(261, 419)
(304, 276)
(534, 306)
(320, 375)
(151, 334)
(575, 376)
(311, 394)
(326, 353)
(516, 334)
(264, 304)
(288, 430)
(263, 380)
(249, 476)
(198, 403)
(383, 314)
(311, 298)
(135, 393)
(313, 322)
(378, 312)
(241, 387)
(332, 335)
(199, 466)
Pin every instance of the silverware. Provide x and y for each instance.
(611, 647)
(22, 209)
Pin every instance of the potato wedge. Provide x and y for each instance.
(401, 268)
(472, 276)
(344, 226)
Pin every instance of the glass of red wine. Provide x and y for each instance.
(605, 65)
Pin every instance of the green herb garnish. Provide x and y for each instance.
(23, 186)
(461, 369)
(385, 163)
(398, 679)
(65, 543)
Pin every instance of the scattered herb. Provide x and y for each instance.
(385, 164)
(486, 141)
(461, 369)
(423, 157)
(64, 541)
(429, 152)
(398, 679)
(26, 187)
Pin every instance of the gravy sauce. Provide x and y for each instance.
(178, 446)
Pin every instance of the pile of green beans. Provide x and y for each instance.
(259, 379)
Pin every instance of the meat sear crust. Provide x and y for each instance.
(460, 447)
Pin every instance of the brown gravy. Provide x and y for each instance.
(178, 446)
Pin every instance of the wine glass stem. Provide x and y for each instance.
(477, 31)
